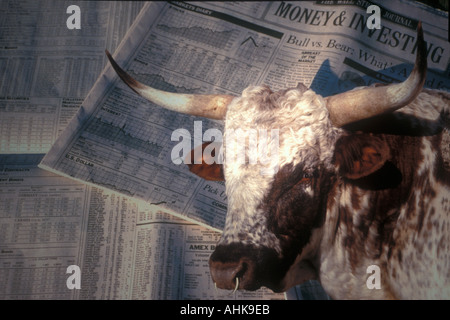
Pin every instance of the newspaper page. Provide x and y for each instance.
(136, 251)
(42, 223)
(122, 142)
(46, 69)
(48, 222)
(124, 249)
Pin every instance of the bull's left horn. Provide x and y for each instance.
(361, 104)
(212, 106)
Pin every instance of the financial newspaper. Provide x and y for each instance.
(108, 196)
(120, 141)
(124, 249)
(48, 223)
(46, 70)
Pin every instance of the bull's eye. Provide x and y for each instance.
(306, 178)
(284, 237)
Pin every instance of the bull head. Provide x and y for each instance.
(273, 222)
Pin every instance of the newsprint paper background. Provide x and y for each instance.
(106, 195)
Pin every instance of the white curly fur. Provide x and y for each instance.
(305, 135)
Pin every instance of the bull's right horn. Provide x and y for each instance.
(355, 105)
(212, 106)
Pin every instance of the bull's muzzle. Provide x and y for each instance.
(228, 275)
(238, 266)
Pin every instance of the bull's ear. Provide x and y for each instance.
(359, 155)
(206, 164)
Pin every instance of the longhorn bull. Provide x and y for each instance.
(361, 182)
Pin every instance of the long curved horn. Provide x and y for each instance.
(212, 106)
(361, 104)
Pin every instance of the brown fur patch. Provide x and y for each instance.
(388, 189)
(292, 214)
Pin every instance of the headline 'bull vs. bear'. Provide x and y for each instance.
(361, 182)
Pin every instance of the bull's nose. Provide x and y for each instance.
(227, 275)
(238, 266)
(249, 266)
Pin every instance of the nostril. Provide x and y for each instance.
(241, 272)
(236, 265)
(231, 275)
